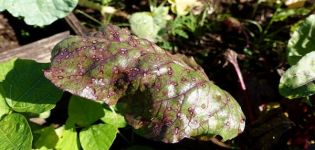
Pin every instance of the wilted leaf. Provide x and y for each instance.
(25, 88)
(15, 133)
(165, 97)
(298, 81)
(84, 112)
(98, 137)
(302, 41)
(38, 12)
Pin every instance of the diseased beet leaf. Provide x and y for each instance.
(164, 97)
(298, 80)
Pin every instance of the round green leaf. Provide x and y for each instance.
(39, 12)
(84, 112)
(302, 41)
(27, 90)
(98, 137)
(298, 81)
(15, 133)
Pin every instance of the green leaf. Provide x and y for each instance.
(160, 15)
(45, 138)
(69, 138)
(25, 88)
(286, 13)
(4, 108)
(113, 118)
(164, 97)
(298, 80)
(148, 24)
(181, 33)
(302, 40)
(84, 112)
(15, 133)
(39, 12)
(142, 24)
(98, 137)
(5, 67)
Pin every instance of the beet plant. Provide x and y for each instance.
(118, 79)
(298, 80)
(164, 97)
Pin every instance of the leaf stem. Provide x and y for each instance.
(89, 17)
(231, 57)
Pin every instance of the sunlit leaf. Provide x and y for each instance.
(25, 89)
(84, 112)
(98, 137)
(302, 41)
(45, 138)
(148, 24)
(113, 118)
(298, 81)
(6, 67)
(4, 108)
(15, 133)
(69, 138)
(38, 12)
(164, 97)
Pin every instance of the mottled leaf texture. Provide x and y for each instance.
(302, 41)
(298, 81)
(164, 97)
(15, 133)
